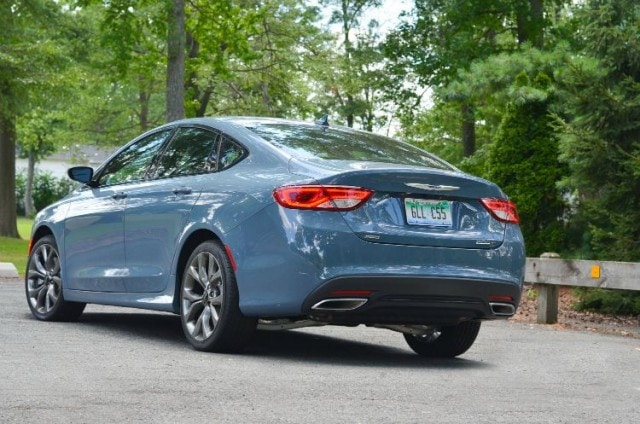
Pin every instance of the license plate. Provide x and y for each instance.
(436, 213)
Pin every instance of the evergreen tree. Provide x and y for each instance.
(523, 160)
(601, 136)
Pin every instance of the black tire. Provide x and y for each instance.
(209, 311)
(451, 341)
(43, 284)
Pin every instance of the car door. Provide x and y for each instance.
(157, 210)
(94, 227)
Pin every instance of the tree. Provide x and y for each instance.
(134, 37)
(31, 43)
(176, 43)
(36, 141)
(346, 86)
(524, 161)
(261, 58)
(600, 129)
(445, 38)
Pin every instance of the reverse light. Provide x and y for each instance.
(502, 209)
(318, 197)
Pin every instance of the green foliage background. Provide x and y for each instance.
(47, 190)
(542, 97)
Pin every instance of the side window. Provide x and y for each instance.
(230, 154)
(190, 151)
(132, 164)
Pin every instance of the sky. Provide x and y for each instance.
(387, 15)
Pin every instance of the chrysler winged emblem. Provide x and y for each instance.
(432, 187)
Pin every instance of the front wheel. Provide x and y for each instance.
(446, 341)
(209, 311)
(43, 284)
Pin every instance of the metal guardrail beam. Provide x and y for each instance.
(549, 272)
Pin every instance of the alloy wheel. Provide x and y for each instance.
(202, 296)
(43, 279)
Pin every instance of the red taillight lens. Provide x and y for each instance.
(317, 197)
(501, 209)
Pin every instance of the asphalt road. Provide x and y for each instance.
(124, 365)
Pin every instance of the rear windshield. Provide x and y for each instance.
(315, 141)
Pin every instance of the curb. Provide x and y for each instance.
(8, 270)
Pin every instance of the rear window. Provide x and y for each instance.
(315, 141)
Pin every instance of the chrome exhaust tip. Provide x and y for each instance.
(339, 304)
(502, 309)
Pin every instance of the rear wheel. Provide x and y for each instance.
(209, 311)
(43, 284)
(445, 342)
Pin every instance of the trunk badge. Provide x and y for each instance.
(432, 187)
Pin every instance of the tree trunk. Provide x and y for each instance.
(28, 190)
(144, 96)
(346, 28)
(175, 60)
(350, 111)
(8, 225)
(530, 20)
(468, 130)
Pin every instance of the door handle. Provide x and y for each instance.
(119, 196)
(182, 190)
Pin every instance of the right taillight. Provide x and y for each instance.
(502, 209)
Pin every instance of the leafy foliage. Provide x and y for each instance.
(34, 52)
(600, 130)
(47, 190)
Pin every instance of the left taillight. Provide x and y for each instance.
(319, 197)
(502, 209)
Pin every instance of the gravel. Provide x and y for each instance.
(570, 319)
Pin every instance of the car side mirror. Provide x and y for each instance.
(82, 174)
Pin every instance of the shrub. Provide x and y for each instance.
(47, 189)
(616, 302)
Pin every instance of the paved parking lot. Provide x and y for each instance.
(124, 365)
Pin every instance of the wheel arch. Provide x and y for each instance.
(192, 241)
(39, 233)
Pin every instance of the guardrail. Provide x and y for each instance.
(550, 271)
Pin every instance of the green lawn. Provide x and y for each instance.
(15, 250)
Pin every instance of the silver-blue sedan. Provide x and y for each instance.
(241, 223)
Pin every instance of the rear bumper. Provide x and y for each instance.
(287, 260)
(397, 299)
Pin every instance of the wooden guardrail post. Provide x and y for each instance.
(547, 304)
(547, 298)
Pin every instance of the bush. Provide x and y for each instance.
(615, 302)
(47, 189)
(523, 161)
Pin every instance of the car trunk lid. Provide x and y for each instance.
(423, 207)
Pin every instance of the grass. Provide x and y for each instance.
(15, 250)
